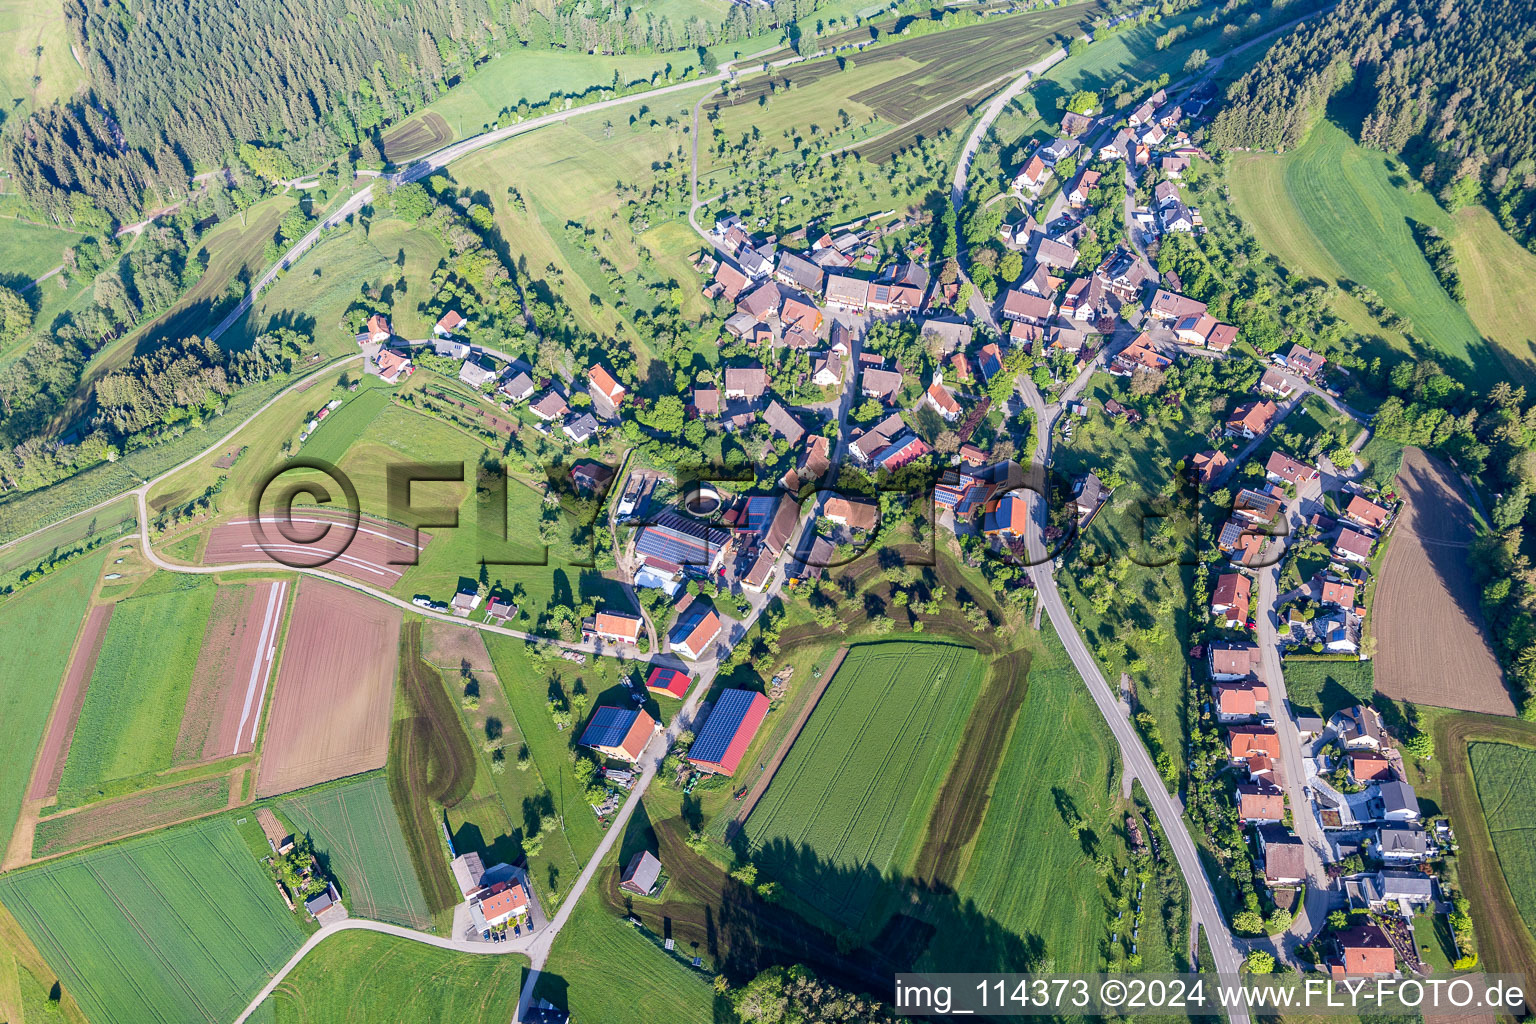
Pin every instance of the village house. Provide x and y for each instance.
(847, 294)
(745, 382)
(1022, 307)
(1170, 307)
(799, 272)
(615, 627)
(1234, 661)
(1140, 354)
(730, 282)
(1279, 384)
(1032, 176)
(783, 423)
(1302, 360)
(954, 333)
(1054, 252)
(1359, 728)
(1006, 517)
(1208, 465)
(1285, 861)
(667, 682)
(900, 291)
(517, 388)
(1059, 150)
(1088, 496)
(1336, 594)
(856, 515)
(1205, 331)
(1401, 845)
(476, 373)
(1366, 766)
(869, 444)
(1240, 701)
(1398, 802)
(1074, 124)
(376, 331)
(1260, 803)
(1231, 598)
(1087, 181)
(620, 733)
(1252, 419)
(761, 302)
(706, 400)
(1363, 950)
(826, 369)
(1282, 469)
(1353, 546)
(601, 383)
(580, 428)
(879, 384)
(696, 630)
(1364, 512)
(448, 323)
(393, 365)
(641, 874)
(550, 407)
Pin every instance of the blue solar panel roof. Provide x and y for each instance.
(720, 728)
(608, 727)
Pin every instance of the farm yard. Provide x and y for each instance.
(354, 827)
(133, 704)
(41, 623)
(99, 823)
(232, 672)
(366, 976)
(1433, 644)
(330, 708)
(854, 793)
(176, 927)
(1506, 787)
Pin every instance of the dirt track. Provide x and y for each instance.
(1433, 647)
(331, 707)
(61, 729)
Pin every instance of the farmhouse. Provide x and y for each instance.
(1140, 354)
(1026, 308)
(745, 382)
(684, 542)
(497, 905)
(798, 272)
(728, 731)
(667, 682)
(696, 629)
(641, 873)
(732, 282)
(859, 515)
(955, 333)
(826, 369)
(602, 383)
(619, 732)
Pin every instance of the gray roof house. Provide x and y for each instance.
(518, 388)
(468, 869)
(1398, 801)
(1401, 844)
(476, 373)
(796, 270)
(641, 874)
(580, 429)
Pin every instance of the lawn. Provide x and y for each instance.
(344, 426)
(29, 250)
(365, 976)
(41, 622)
(1333, 210)
(850, 803)
(29, 26)
(601, 968)
(1506, 787)
(354, 827)
(1500, 279)
(179, 926)
(134, 703)
(1327, 686)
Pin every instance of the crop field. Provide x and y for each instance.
(1333, 210)
(175, 927)
(366, 976)
(1506, 787)
(102, 822)
(331, 704)
(417, 137)
(431, 765)
(1499, 276)
(341, 428)
(1482, 788)
(61, 728)
(854, 794)
(228, 687)
(355, 827)
(133, 705)
(1434, 644)
(40, 623)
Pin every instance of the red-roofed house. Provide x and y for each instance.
(377, 330)
(1231, 598)
(1173, 307)
(603, 384)
(619, 732)
(1339, 594)
(1260, 803)
(448, 323)
(1366, 950)
(1032, 176)
(696, 631)
(1366, 512)
(667, 682)
(617, 628)
(1238, 701)
(1208, 464)
(1251, 419)
(1026, 307)
(1243, 741)
(1352, 546)
(498, 904)
(1282, 469)
(1369, 767)
(393, 365)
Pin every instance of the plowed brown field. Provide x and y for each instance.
(331, 708)
(224, 703)
(1432, 642)
(50, 764)
(367, 556)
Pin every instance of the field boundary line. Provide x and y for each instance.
(749, 804)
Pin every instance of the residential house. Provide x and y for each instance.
(1140, 354)
(1398, 802)
(954, 333)
(1363, 950)
(801, 314)
(1037, 280)
(1124, 275)
(1205, 331)
(1006, 517)
(620, 733)
(448, 323)
(706, 400)
(1260, 803)
(761, 302)
(1232, 597)
(1087, 181)
(377, 330)
(393, 365)
(1240, 701)
(783, 423)
(580, 428)
(854, 514)
(869, 444)
(1303, 361)
(1170, 307)
(550, 407)
(1022, 307)
(732, 282)
(826, 369)
(1252, 419)
(1032, 176)
(616, 627)
(1285, 861)
(1282, 469)
(1165, 194)
(1337, 594)
(1059, 150)
(904, 449)
(989, 361)
(1177, 217)
(1402, 844)
(1392, 892)
(1054, 252)
(1088, 495)
(1274, 382)
(1075, 303)
(798, 272)
(449, 348)
(745, 382)
(517, 388)
(1353, 546)
(601, 383)
(902, 291)
(1234, 661)
(883, 385)
(641, 873)
(1360, 728)
(1368, 766)
(847, 294)
(476, 373)
(1118, 148)
(667, 682)
(1208, 465)
(1074, 124)
(1365, 512)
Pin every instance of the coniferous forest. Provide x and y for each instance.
(1448, 85)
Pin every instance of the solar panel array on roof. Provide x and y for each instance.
(737, 713)
(681, 541)
(758, 512)
(608, 727)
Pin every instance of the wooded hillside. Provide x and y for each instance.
(1449, 85)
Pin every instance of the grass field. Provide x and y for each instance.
(29, 250)
(134, 703)
(41, 622)
(26, 981)
(1500, 280)
(354, 827)
(30, 26)
(1333, 210)
(364, 976)
(600, 969)
(1506, 787)
(856, 790)
(179, 926)
(1327, 686)
(344, 426)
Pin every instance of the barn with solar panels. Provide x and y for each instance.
(678, 541)
(667, 682)
(619, 732)
(728, 732)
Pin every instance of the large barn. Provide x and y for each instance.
(728, 731)
(619, 732)
(680, 541)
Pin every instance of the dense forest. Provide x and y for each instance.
(1449, 85)
(187, 85)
